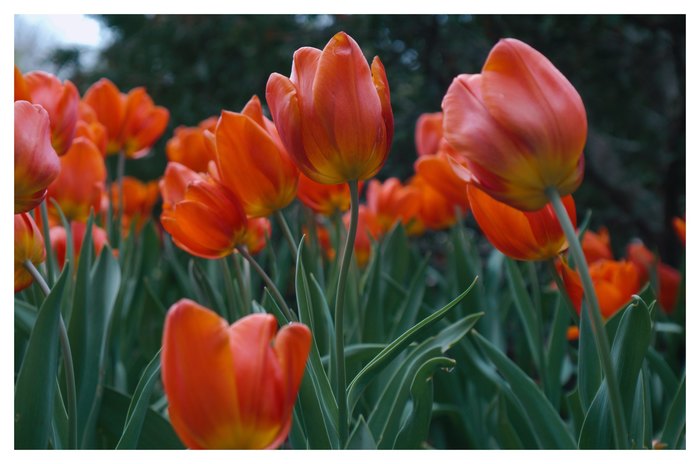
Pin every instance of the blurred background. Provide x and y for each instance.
(629, 70)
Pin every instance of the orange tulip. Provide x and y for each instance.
(520, 124)
(36, 162)
(668, 279)
(21, 89)
(110, 106)
(428, 133)
(614, 282)
(231, 387)
(174, 183)
(256, 235)
(252, 162)
(208, 221)
(58, 238)
(368, 229)
(60, 101)
(679, 227)
(139, 199)
(88, 126)
(437, 171)
(435, 213)
(29, 246)
(333, 113)
(391, 202)
(596, 246)
(144, 123)
(526, 236)
(81, 182)
(325, 199)
(189, 147)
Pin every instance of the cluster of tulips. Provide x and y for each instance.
(507, 148)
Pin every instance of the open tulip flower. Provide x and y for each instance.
(252, 162)
(109, 105)
(60, 100)
(522, 235)
(36, 162)
(436, 212)
(391, 202)
(231, 387)
(520, 124)
(333, 113)
(29, 245)
(188, 145)
(139, 199)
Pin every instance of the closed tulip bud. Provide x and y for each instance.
(252, 162)
(520, 124)
(29, 246)
(188, 146)
(325, 199)
(334, 112)
(208, 222)
(596, 246)
(231, 386)
(521, 235)
(58, 238)
(392, 202)
(36, 162)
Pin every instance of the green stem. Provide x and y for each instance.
(47, 242)
(270, 284)
(341, 394)
(245, 293)
(560, 285)
(121, 162)
(287, 233)
(67, 361)
(601, 338)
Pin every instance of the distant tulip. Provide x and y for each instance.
(521, 235)
(392, 202)
(139, 199)
(252, 162)
(368, 229)
(325, 199)
(59, 238)
(110, 106)
(667, 278)
(679, 227)
(257, 234)
(29, 246)
(596, 246)
(188, 146)
(36, 162)
(428, 133)
(88, 126)
(438, 172)
(231, 387)
(144, 123)
(436, 212)
(208, 221)
(520, 124)
(333, 113)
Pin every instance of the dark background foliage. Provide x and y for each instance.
(629, 70)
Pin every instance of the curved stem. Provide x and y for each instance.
(599, 335)
(67, 361)
(341, 394)
(270, 284)
(287, 233)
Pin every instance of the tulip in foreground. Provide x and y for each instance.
(36, 162)
(520, 124)
(231, 386)
(29, 246)
(334, 112)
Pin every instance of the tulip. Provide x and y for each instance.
(139, 199)
(333, 113)
(36, 162)
(520, 124)
(257, 234)
(369, 230)
(596, 246)
(325, 199)
(208, 221)
(526, 236)
(428, 133)
(174, 183)
(667, 278)
(88, 126)
(110, 106)
(188, 146)
(231, 387)
(58, 238)
(21, 89)
(679, 227)
(29, 246)
(81, 182)
(435, 212)
(392, 202)
(438, 172)
(252, 162)
(144, 123)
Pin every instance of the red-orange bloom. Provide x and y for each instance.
(614, 282)
(231, 387)
(428, 133)
(679, 227)
(523, 235)
(189, 147)
(29, 246)
(368, 229)
(520, 124)
(208, 222)
(392, 202)
(596, 246)
(60, 101)
(174, 183)
(333, 113)
(139, 199)
(256, 235)
(325, 199)
(36, 162)
(110, 106)
(252, 162)
(88, 126)
(668, 278)
(21, 89)
(59, 239)
(438, 172)
(144, 123)
(436, 212)
(81, 182)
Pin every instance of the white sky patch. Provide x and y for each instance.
(78, 30)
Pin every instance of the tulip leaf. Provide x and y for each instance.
(209, 296)
(408, 310)
(629, 348)
(673, 434)
(323, 324)
(658, 366)
(313, 420)
(361, 436)
(550, 431)
(555, 352)
(36, 382)
(589, 370)
(25, 316)
(139, 405)
(372, 329)
(640, 421)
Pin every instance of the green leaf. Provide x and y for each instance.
(36, 383)
(358, 384)
(25, 316)
(674, 428)
(556, 352)
(361, 436)
(408, 310)
(508, 437)
(139, 405)
(210, 297)
(372, 302)
(589, 370)
(549, 429)
(312, 417)
(640, 421)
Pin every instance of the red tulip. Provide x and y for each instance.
(189, 147)
(392, 202)
(596, 246)
(436, 212)
(667, 278)
(325, 199)
(29, 246)
(231, 387)
(428, 133)
(58, 238)
(139, 199)
(438, 172)
(110, 106)
(257, 234)
(174, 183)
(144, 123)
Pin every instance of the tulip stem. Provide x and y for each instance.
(565, 295)
(47, 242)
(599, 334)
(121, 162)
(270, 284)
(287, 233)
(341, 394)
(242, 283)
(67, 360)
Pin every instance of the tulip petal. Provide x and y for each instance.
(110, 107)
